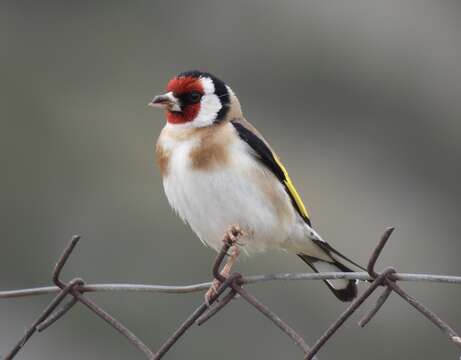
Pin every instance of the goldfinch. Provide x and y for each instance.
(218, 171)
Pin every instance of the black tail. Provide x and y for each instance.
(344, 290)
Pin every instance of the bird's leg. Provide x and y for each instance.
(233, 254)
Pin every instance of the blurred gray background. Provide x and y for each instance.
(361, 99)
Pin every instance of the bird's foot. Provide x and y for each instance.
(233, 235)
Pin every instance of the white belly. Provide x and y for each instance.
(213, 200)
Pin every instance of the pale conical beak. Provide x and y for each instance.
(166, 101)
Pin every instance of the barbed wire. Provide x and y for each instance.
(229, 288)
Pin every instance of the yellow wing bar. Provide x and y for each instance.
(291, 188)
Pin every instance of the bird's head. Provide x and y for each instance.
(197, 99)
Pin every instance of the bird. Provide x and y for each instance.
(218, 170)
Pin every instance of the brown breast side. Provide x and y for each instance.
(162, 157)
(212, 150)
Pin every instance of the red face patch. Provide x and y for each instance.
(181, 86)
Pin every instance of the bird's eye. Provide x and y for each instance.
(194, 97)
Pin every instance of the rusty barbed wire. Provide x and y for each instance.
(228, 290)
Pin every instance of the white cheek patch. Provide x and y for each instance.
(209, 108)
(209, 105)
(208, 85)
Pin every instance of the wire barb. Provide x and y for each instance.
(56, 315)
(377, 252)
(379, 303)
(216, 308)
